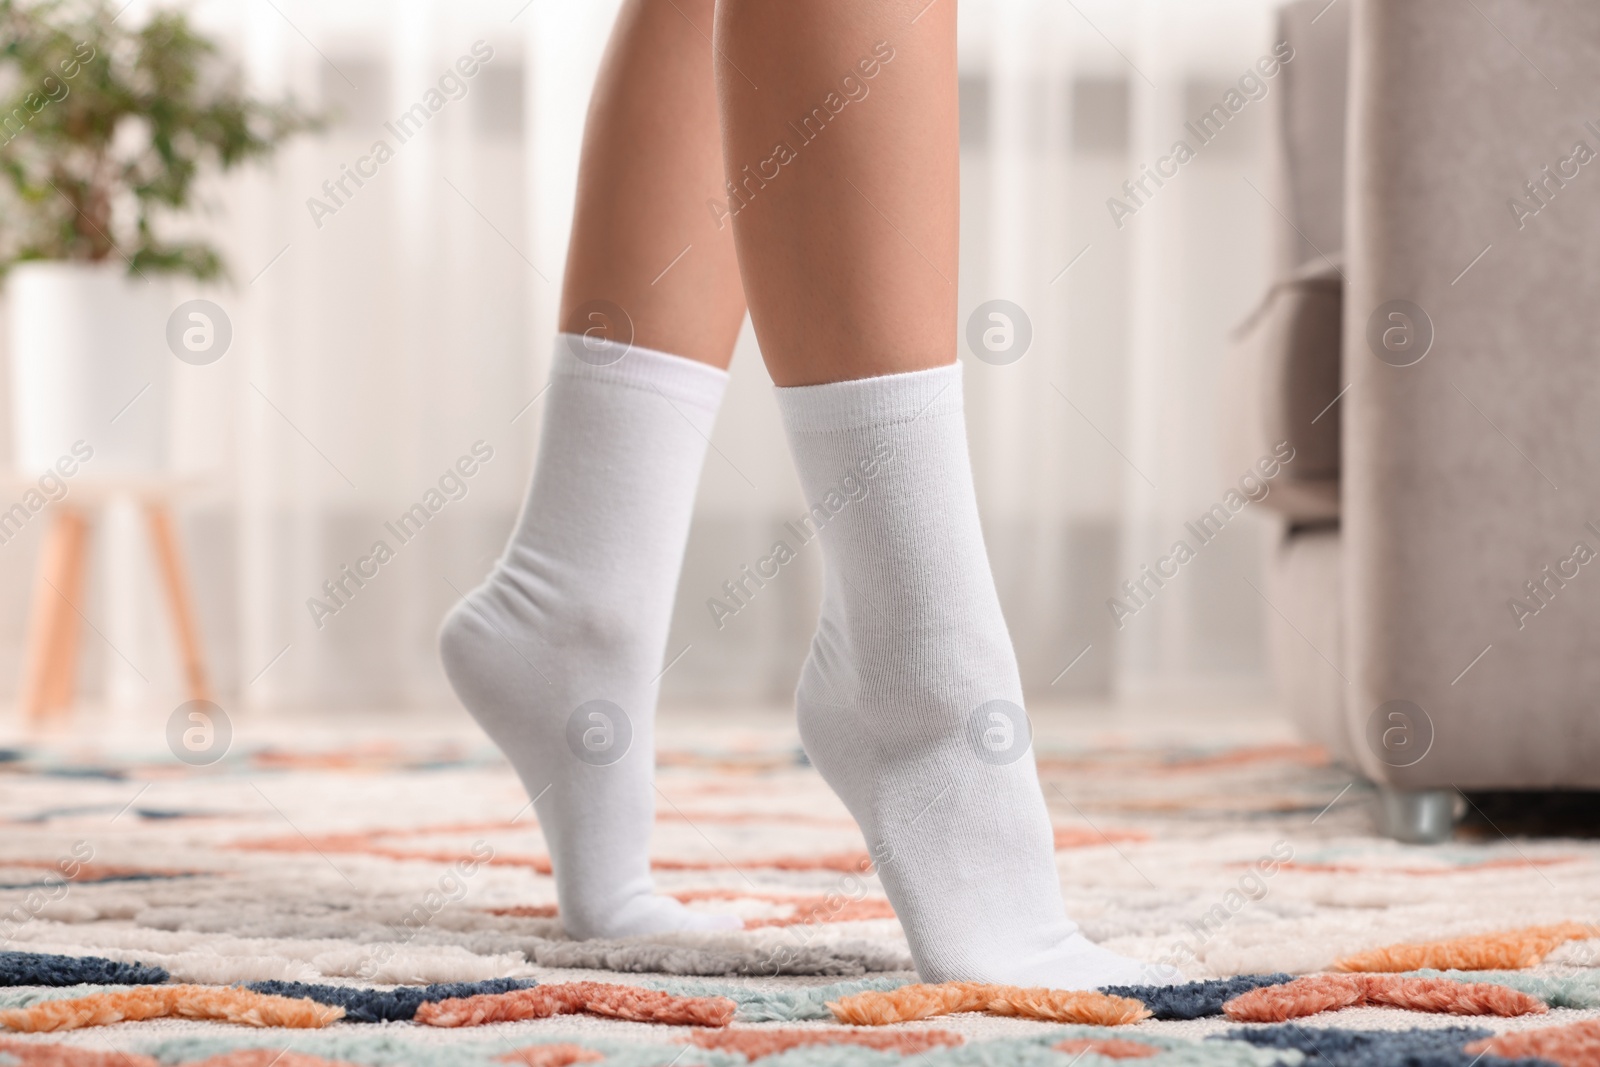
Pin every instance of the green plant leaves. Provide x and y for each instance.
(105, 129)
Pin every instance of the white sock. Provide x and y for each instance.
(895, 701)
(577, 611)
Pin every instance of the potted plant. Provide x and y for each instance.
(104, 128)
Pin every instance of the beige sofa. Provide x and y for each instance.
(1432, 351)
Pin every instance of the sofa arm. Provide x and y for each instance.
(1283, 376)
(1471, 444)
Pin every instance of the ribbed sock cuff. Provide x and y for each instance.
(885, 400)
(684, 381)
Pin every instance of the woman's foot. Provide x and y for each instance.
(910, 703)
(557, 652)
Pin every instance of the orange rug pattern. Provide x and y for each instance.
(28, 1054)
(267, 1057)
(1577, 1045)
(1505, 950)
(948, 998)
(559, 1054)
(571, 998)
(754, 1044)
(219, 1004)
(1333, 992)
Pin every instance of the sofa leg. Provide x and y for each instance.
(1417, 816)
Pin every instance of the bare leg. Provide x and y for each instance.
(557, 654)
(651, 160)
(849, 253)
(909, 704)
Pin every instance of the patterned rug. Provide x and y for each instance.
(378, 892)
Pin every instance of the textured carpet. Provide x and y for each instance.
(308, 874)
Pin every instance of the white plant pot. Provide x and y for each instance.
(89, 363)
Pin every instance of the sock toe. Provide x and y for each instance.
(1078, 963)
(649, 916)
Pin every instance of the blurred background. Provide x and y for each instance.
(373, 345)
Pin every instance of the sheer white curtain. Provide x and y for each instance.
(1094, 449)
(376, 343)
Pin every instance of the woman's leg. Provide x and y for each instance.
(557, 653)
(651, 160)
(846, 185)
(910, 701)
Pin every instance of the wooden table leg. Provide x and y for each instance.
(175, 577)
(51, 670)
